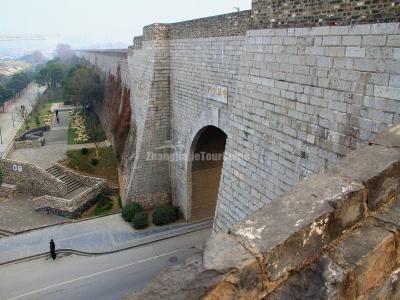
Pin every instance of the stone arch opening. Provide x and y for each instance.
(205, 164)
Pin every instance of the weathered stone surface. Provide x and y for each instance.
(388, 290)
(323, 280)
(293, 229)
(390, 213)
(222, 252)
(369, 254)
(378, 168)
(390, 137)
(184, 281)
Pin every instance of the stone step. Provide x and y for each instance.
(69, 181)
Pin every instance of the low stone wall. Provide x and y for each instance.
(7, 190)
(335, 235)
(31, 179)
(69, 208)
(30, 143)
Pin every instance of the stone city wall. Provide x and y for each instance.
(31, 179)
(298, 100)
(339, 231)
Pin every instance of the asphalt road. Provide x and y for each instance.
(104, 277)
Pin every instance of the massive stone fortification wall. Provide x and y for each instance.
(333, 236)
(298, 100)
(307, 96)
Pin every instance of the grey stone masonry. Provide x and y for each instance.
(31, 179)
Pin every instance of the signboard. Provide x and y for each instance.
(217, 93)
(17, 168)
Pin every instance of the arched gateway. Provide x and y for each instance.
(204, 172)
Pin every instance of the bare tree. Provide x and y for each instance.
(22, 114)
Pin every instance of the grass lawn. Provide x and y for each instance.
(106, 167)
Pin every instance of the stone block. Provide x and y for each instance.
(292, 230)
(322, 280)
(388, 290)
(387, 92)
(223, 252)
(355, 52)
(385, 28)
(368, 254)
(378, 168)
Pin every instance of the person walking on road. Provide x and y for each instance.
(53, 249)
(58, 120)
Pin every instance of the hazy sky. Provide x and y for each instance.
(103, 20)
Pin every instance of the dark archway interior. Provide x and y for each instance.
(207, 162)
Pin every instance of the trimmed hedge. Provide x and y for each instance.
(130, 210)
(94, 162)
(140, 220)
(84, 151)
(164, 215)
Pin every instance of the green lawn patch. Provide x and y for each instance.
(106, 167)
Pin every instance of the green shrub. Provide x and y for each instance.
(103, 204)
(140, 220)
(94, 161)
(84, 151)
(130, 210)
(165, 215)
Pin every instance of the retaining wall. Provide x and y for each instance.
(31, 179)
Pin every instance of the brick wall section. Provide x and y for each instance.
(32, 180)
(307, 13)
(190, 76)
(323, 231)
(306, 97)
(222, 25)
(151, 115)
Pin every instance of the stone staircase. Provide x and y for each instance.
(70, 182)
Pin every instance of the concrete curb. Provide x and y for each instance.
(168, 234)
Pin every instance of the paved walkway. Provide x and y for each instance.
(55, 148)
(17, 214)
(96, 236)
(8, 131)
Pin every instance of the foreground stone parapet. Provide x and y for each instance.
(378, 168)
(294, 229)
